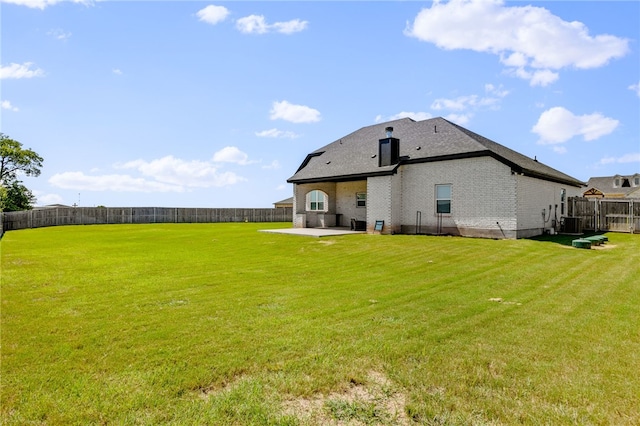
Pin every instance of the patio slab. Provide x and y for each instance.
(313, 232)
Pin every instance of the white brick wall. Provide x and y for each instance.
(304, 219)
(342, 200)
(384, 202)
(346, 201)
(300, 192)
(488, 200)
(483, 196)
(534, 195)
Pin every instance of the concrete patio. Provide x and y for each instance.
(313, 232)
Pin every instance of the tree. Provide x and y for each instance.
(15, 159)
(16, 197)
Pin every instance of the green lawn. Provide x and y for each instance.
(221, 324)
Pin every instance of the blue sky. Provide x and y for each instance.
(216, 104)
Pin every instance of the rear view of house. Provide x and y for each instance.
(429, 176)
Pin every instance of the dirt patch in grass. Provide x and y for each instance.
(376, 401)
(206, 392)
(595, 247)
(603, 247)
(504, 302)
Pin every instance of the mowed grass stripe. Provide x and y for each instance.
(221, 324)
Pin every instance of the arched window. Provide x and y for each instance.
(317, 201)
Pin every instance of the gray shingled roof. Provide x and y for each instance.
(354, 156)
(285, 201)
(605, 185)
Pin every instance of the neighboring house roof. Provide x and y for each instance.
(354, 157)
(288, 201)
(607, 187)
(51, 206)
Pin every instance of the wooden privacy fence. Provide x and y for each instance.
(111, 215)
(606, 214)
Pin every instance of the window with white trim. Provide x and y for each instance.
(361, 199)
(317, 201)
(563, 199)
(443, 199)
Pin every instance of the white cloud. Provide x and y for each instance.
(47, 199)
(290, 27)
(113, 182)
(633, 157)
(417, 116)
(463, 107)
(543, 78)
(460, 103)
(275, 133)
(231, 154)
(117, 71)
(59, 34)
(496, 91)
(530, 40)
(213, 14)
(558, 125)
(41, 4)
(7, 105)
(20, 71)
(166, 174)
(559, 149)
(536, 78)
(294, 113)
(253, 24)
(275, 164)
(192, 174)
(460, 119)
(635, 88)
(257, 24)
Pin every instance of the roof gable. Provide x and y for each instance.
(593, 192)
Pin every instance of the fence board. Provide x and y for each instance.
(602, 214)
(114, 215)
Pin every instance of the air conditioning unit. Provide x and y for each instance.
(572, 225)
